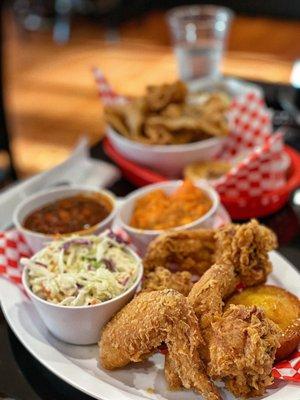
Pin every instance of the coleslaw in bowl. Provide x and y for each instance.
(78, 283)
(82, 271)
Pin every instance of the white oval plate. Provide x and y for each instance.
(78, 365)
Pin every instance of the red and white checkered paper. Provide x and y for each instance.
(260, 167)
(13, 248)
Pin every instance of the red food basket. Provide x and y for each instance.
(238, 208)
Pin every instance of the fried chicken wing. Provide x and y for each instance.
(183, 250)
(148, 320)
(242, 350)
(161, 278)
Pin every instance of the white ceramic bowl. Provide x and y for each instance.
(37, 240)
(142, 237)
(167, 159)
(80, 325)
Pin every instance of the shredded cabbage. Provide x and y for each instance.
(81, 271)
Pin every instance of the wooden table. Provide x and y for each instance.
(51, 95)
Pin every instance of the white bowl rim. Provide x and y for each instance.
(201, 183)
(166, 148)
(135, 284)
(82, 188)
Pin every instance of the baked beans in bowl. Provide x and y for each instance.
(64, 211)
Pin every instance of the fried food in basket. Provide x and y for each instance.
(280, 306)
(208, 170)
(159, 97)
(166, 116)
(150, 319)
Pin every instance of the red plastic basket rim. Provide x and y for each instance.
(152, 177)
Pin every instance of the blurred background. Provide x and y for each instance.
(48, 95)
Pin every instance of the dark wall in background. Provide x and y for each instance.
(277, 8)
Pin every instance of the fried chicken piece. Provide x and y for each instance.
(246, 247)
(242, 350)
(206, 296)
(182, 250)
(235, 340)
(159, 97)
(173, 379)
(161, 278)
(148, 320)
(242, 258)
(281, 307)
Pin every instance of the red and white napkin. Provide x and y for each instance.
(106, 93)
(13, 248)
(260, 163)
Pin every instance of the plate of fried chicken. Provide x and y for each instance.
(176, 340)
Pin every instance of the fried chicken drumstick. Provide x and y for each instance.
(153, 318)
(241, 343)
(241, 258)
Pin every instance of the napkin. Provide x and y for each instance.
(13, 247)
(257, 152)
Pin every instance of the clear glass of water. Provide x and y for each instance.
(199, 36)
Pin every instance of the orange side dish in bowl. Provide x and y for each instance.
(158, 210)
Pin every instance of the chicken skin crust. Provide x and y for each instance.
(242, 258)
(281, 307)
(242, 348)
(153, 318)
(246, 247)
(240, 343)
(206, 296)
(182, 251)
(161, 278)
(237, 339)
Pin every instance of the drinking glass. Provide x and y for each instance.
(199, 36)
